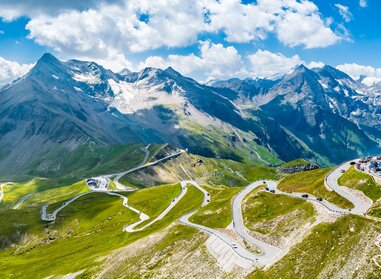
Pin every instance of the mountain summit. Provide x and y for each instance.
(320, 114)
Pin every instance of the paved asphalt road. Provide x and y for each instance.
(272, 185)
(120, 186)
(21, 201)
(236, 247)
(131, 228)
(361, 206)
(1, 192)
(270, 252)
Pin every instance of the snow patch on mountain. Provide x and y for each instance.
(323, 84)
(122, 89)
(89, 78)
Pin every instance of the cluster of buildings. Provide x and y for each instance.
(98, 183)
(370, 165)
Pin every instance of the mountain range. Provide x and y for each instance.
(319, 114)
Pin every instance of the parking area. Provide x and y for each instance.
(371, 165)
(98, 183)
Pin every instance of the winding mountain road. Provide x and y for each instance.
(269, 253)
(236, 247)
(21, 201)
(361, 205)
(52, 216)
(144, 164)
(143, 217)
(1, 192)
(131, 228)
(118, 176)
(272, 185)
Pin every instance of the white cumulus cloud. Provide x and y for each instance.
(264, 63)
(10, 70)
(372, 75)
(112, 28)
(218, 62)
(344, 12)
(363, 3)
(214, 62)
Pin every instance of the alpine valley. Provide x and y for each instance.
(152, 174)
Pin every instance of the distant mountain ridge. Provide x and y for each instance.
(319, 114)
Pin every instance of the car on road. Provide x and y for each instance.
(352, 163)
(267, 188)
(319, 199)
(264, 182)
(305, 196)
(342, 171)
(272, 191)
(234, 246)
(173, 200)
(207, 200)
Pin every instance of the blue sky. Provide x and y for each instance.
(204, 39)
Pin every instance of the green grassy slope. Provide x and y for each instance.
(91, 160)
(312, 182)
(204, 170)
(86, 161)
(218, 213)
(375, 210)
(275, 215)
(297, 162)
(226, 141)
(358, 180)
(343, 249)
(84, 231)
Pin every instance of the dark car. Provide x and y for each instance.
(264, 182)
(352, 163)
(319, 199)
(266, 188)
(305, 196)
(272, 191)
